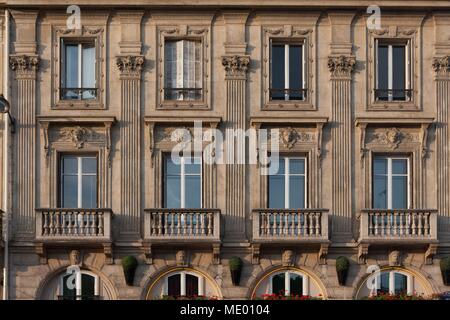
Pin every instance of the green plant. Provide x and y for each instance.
(445, 270)
(342, 266)
(129, 265)
(235, 265)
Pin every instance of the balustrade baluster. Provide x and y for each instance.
(377, 215)
(45, 223)
(318, 226)
(101, 217)
(414, 224)
(166, 224)
(427, 224)
(420, 224)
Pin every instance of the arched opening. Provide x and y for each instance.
(288, 282)
(394, 282)
(183, 283)
(76, 284)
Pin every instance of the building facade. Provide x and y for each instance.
(99, 102)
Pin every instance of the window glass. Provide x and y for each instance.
(296, 284)
(390, 183)
(174, 285)
(87, 286)
(295, 72)
(278, 72)
(191, 285)
(384, 282)
(399, 192)
(88, 71)
(401, 283)
(278, 284)
(398, 72)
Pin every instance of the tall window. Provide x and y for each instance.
(393, 282)
(184, 284)
(288, 81)
(393, 72)
(390, 182)
(289, 283)
(183, 183)
(287, 188)
(183, 70)
(78, 68)
(80, 286)
(78, 178)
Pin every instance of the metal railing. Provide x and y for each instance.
(288, 94)
(188, 94)
(78, 93)
(393, 94)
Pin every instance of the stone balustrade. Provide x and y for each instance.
(398, 224)
(73, 224)
(309, 225)
(193, 224)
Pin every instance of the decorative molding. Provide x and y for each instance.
(148, 253)
(323, 252)
(363, 251)
(24, 65)
(216, 253)
(430, 253)
(441, 65)
(256, 248)
(236, 66)
(130, 65)
(181, 258)
(288, 258)
(108, 251)
(341, 66)
(290, 136)
(77, 135)
(395, 258)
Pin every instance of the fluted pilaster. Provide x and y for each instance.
(235, 79)
(25, 68)
(341, 68)
(130, 68)
(441, 65)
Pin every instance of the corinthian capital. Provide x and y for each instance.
(236, 66)
(24, 64)
(341, 66)
(441, 65)
(130, 65)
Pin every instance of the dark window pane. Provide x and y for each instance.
(296, 284)
(69, 281)
(399, 192)
(71, 66)
(192, 165)
(277, 72)
(399, 166)
(379, 192)
(69, 165)
(383, 74)
(191, 285)
(401, 283)
(193, 191)
(296, 192)
(276, 191)
(295, 72)
(89, 192)
(172, 192)
(89, 165)
(69, 192)
(384, 282)
(88, 70)
(297, 166)
(380, 166)
(174, 285)
(398, 57)
(278, 284)
(87, 286)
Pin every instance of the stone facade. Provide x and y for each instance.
(339, 127)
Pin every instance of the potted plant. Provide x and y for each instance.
(235, 270)
(129, 265)
(342, 266)
(445, 270)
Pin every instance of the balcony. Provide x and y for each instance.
(290, 225)
(73, 225)
(182, 225)
(398, 226)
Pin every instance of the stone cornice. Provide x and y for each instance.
(130, 65)
(236, 66)
(24, 64)
(441, 65)
(341, 66)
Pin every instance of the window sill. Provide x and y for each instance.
(393, 106)
(183, 105)
(79, 105)
(288, 105)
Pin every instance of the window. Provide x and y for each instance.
(78, 70)
(289, 283)
(78, 178)
(184, 284)
(393, 282)
(393, 72)
(287, 188)
(183, 183)
(82, 285)
(183, 70)
(390, 182)
(288, 81)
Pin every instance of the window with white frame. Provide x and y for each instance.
(80, 285)
(392, 282)
(393, 71)
(287, 71)
(184, 283)
(183, 70)
(288, 186)
(78, 181)
(289, 283)
(78, 70)
(182, 182)
(391, 182)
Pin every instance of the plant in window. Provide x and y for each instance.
(342, 266)
(235, 269)
(129, 265)
(445, 270)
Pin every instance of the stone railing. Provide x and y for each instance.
(398, 224)
(309, 225)
(182, 224)
(73, 224)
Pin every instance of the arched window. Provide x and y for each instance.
(79, 285)
(184, 283)
(392, 282)
(289, 283)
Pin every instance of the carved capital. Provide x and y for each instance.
(341, 66)
(441, 65)
(24, 65)
(130, 65)
(236, 66)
